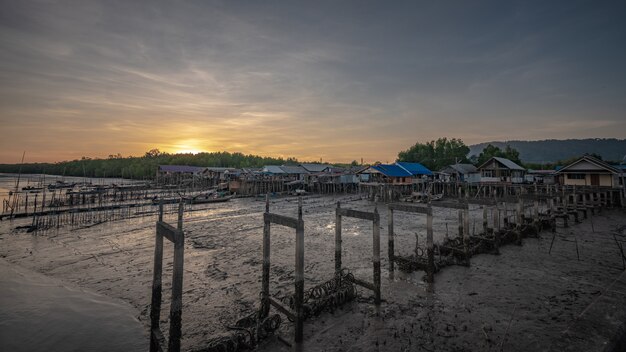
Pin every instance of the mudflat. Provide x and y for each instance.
(527, 298)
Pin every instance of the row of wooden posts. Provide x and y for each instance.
(269, 218)
(24, 203)
(389, 192)
(556, 206)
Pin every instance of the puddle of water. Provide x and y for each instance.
(39, 313)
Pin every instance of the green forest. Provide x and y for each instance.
(438, 154)
(143, 167)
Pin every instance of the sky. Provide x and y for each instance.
(331, 80)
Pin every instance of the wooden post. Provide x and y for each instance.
(460, 223)
(519, 220)
(177, 287)
(35, 212)
(155, 307)
(337, 240)
(376, 256)
(180, 215)
(466, 235)
(430, 275)
(265, 285)
(391, 244)
(485, 223)
(496, 229)
(551, 206)
(299, 285)
(593, 203)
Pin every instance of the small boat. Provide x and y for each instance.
(60, 185)
(298, 192)
(201, 199)
(421, 197)
(436, 196)
(157, 200)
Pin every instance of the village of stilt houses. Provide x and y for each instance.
(318, 257)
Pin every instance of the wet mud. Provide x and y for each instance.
(520, 300)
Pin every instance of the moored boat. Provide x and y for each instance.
(203, 199)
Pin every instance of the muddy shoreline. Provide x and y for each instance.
(536, 295)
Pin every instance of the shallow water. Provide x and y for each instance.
(8, 182)
(39, 313)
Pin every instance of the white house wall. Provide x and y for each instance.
(605, 180)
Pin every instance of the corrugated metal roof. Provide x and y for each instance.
(336, 170)
(592, 160)
(358, 169)
(415, 168)
(508, 163)
(315, 167)
(218, 169)
(180, 168)
(273, 169)
(464, 168)
(294, 170)
(392, 170)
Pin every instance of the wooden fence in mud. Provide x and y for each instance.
(28, 202)
(177, 237)
(56, 208)
(294, 306)
(513, 218)
(59, 208)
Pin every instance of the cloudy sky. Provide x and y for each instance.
(338, 80)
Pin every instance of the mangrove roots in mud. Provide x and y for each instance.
(246, 334)
(248, 331)
(452, 251)
(326, 296)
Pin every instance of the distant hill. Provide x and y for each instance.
(552, 150)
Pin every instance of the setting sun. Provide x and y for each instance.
(189, 146)
(188, 151)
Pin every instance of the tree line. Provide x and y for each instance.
(143, 167)
(552, 150)
(442, 152)
(435, 155)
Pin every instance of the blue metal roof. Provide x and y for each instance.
(415, 168)
(392, 170)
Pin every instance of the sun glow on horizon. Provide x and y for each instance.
(188, 146)
(188, 151)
